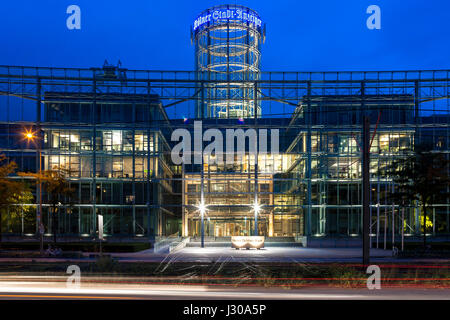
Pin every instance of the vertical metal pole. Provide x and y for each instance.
(416, 101)
(393, 222)
(133, 180)
(393, 228)
(202, 185)
(255, 110)
(94, 152)
(255, 232)
(202, 208)
(385, 227)
(403, 228)
(39, 151)
(149, 212)
(184, 213)
(417, 136)
(202, 102)
(156, 192)
(210, 91)
(41, 225)
(370, 223)
(378, 214)
(100, 233)
(228, 71)
(308, 162)
(366, 190)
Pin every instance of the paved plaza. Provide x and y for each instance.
(270, 254)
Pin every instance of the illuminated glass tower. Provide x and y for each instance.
(227, 42)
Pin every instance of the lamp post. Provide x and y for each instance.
(202, 209)
(30, 137)
(256, 207)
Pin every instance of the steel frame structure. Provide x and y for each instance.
(228, 51)
(284, 95)
(281, 93)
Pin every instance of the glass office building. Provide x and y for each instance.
(115, 152)
(116, 145)
(112, 130)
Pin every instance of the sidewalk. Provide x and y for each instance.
(221, 254)
(226, 254)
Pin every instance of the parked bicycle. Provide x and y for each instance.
(53, 251)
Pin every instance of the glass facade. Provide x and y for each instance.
(114, 136)
(116, 164)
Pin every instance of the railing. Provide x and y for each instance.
(163, 243)
(174, 246)
(301, 239)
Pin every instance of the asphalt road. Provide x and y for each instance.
(58, 290)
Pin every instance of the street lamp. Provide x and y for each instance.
(202, 209)
(256, 208)
(29, 135)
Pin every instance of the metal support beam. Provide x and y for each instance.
(39, 224)
(366, 190)
(308, 162)
(365, 178)
(94, 153)
(202, 186)
(202, 204)
(256, 204)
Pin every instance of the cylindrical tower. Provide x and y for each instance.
(227, 42)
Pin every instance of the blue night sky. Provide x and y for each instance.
(309, 35)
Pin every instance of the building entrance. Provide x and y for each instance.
(226, 227)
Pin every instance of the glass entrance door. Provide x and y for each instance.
(226, 227)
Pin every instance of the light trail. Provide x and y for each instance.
(117, 292)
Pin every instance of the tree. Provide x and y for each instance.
(58, 190)
(421, 177)
(21, 209)
(12, 191)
